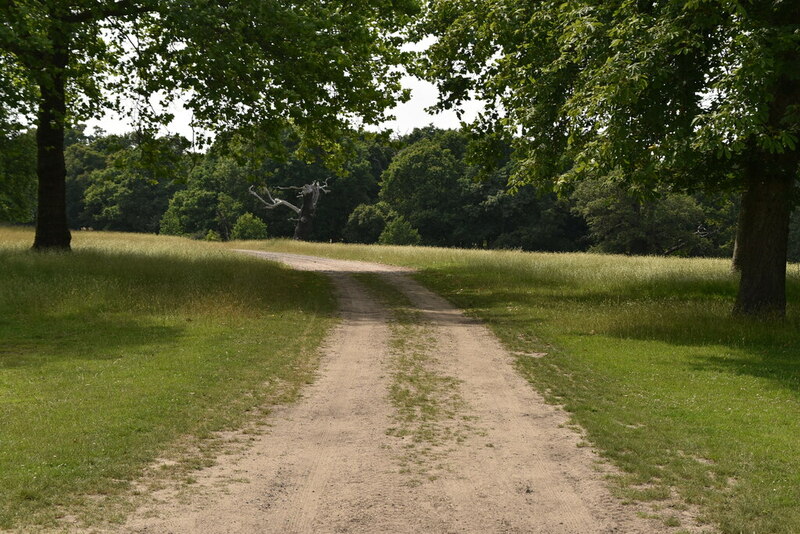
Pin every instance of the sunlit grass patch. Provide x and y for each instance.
(113, 353)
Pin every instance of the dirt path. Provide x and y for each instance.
(498, 459)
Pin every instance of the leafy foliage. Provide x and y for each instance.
(120, 182)
(621, 223)
(125, 183)
(422, 185)
(399, 231)
(190, 212)
(315, 66)
(248, 226)
(661, 91)
(288, 54)
(367, 221)
(17, 177)
(689, 95)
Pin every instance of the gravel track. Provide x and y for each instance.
(328, 464)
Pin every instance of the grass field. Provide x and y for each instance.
(134, 348)
(644, 353)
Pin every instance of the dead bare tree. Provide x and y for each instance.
(309, 193)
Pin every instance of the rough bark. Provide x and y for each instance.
(305, 222)
(761, 244)
(763, 231)
(735, 267)
(52, 230)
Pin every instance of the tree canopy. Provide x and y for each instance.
(245, 63)
(651, 90)
(685, 94)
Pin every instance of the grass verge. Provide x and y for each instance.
(130, 346)
(644, 353)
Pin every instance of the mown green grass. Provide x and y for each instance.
(645, 355)
(130, 348)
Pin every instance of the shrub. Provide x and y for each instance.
(213, 235)
(248, 226)
(399, 232)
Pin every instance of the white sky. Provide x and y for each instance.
(409, 115)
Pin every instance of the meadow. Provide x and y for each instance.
(687, 400)
(135, 349)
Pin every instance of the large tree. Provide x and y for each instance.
(256, 64)
(686, 94)
(424, 184)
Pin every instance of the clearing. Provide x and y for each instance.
(418, 422)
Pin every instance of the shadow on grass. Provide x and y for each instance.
(34, 341)
(764, 350)
(782, 371)
(88, 304)
(681, 312)
(139, 280)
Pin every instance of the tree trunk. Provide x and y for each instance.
(52, 230)
(735, 263)
(761, 243)
(302, 231)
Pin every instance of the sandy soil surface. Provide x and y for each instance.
(330, 463)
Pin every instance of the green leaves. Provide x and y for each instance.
(17, 177)
(261, 64)
(664, 91)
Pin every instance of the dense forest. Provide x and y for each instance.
(429, 187)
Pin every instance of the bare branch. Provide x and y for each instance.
(288, 187)
(305, 188)
(273, 202)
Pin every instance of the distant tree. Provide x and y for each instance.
(120, 183)
(212, 235)
(17, 177)
(248, 226)
(620, 222)
(235, 162)
(355, 183)
(228, 212)
(399, 231)
(239, 63)
(122, 200)
(529, 220)
(171, 223)
(424, 184)
(82, 156)
(309, 195)
(191, 212)
(229, 179)
(367, 221)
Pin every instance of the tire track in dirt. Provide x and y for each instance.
(530, 465)
(327, 464)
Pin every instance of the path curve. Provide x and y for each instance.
(328, 464)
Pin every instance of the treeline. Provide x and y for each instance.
(429, 187)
